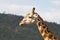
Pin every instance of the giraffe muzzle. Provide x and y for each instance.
(20, 24)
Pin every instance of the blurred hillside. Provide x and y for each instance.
(10, 30)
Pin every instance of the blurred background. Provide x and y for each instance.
(13, 11)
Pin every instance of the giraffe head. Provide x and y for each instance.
(30, 18)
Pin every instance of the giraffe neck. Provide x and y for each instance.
(45, 31)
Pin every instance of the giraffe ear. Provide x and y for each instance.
(33, 9)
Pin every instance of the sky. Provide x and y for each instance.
(49, 10)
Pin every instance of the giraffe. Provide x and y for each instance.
(33, 17)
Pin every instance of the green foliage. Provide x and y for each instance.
(10, 30)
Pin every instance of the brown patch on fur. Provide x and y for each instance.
(50, 36)
(39, 24)
(48, 30)
(55, 37)
(38, 19)
(44, 26)
(42, 31)
(45, 36)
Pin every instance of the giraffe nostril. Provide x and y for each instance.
(20, 24)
